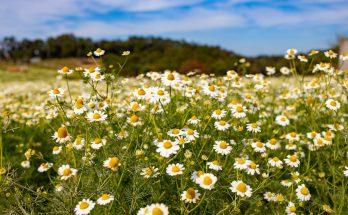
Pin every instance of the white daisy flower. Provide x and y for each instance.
(218, 114)
(190, 195)
(275, 162)
(332, 104)
(61, 135)
(84, 207)
(303, 193)
(207, 181)
(241, 189)
(253, 168)
(149, 172)
(99, 52)
(215, 165)
(78, 143)
(105, 199)
(56, 93)
(98, 143)
(238, 111)
(282, 120)
(175, 169)
(253, 127)
(66, 172)
(290, 209)
(273, 144)
(65, 71)
(25, 164)
(292, 160)
(258, 146)
(269, 196)
(222, 147)
(56, 150)
(221, 125)
(44, 167)
(96, 116)
(241, 164)
(112, 163)
(166, 148)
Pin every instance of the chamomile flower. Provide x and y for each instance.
(170, 78)
(97, 143)
(149, 172)
(79, 107)
(175, 132)
(222, 147)
(290, 209)
(292, 160)
(193, 120)
(303, 193)
(56, 93)
(293, 136)
(56, 150)
(273, 144)
(44, 167)
(345, 172)
(282, 120)
(253, 127)
(134, 120)
(97, 77)
(105, 199)
(221, 125)
(218, 114)
(258, 146)
(175, 169)
(99, 52)
(79, 143)
(157, 208)
(65, 71)
(190, 134)
(166, 148)
(275, 162)
(332, 104)
(66, 172)
(286, 183)
(61, 135)
(253, 168)
(96, 116)
(241, 164)
(238, 111)
(269, 196)
(25, 164)
(215, 165)
(207, 181)
(84, 207)
(190, 195)
(112, 163)
(330, 54)
(241, 188)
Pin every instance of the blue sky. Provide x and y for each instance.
(248, 27)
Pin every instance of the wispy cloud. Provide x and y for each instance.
(109, 18)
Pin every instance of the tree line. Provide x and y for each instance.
(148, 53)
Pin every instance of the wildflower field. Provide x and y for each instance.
(168, 143)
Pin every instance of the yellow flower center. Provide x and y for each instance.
(170, 77)
(222, 123)
(259, 144)
(114, 161)
(293, 134)
(293, 158)
(157, 211)
(66, 172)
(56, 91)
(56, 148)
(253, 166)
(96, 116)
(215, 162)
(149, 171)
(304, 191)
(167, 145)
(241, 187)
(175, 169)
(97, 140)
(105, 196)
(175, 131)
(218, 112)
(83, 205)
(79, 103)
(254, 125)
(276, 159)
(141, 92)
(65, 69)
(62, 132)
(273, 141)
(223, 145)
(292, 209)
(134, 118)
(207, 180)
(241, 161)
(160, 92)
(99, 50)
(211, 88)
(239, 109)
(333, 103)
(190, 193)
(190, 132)
(199, 173)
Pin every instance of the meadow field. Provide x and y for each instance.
(92, 141)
